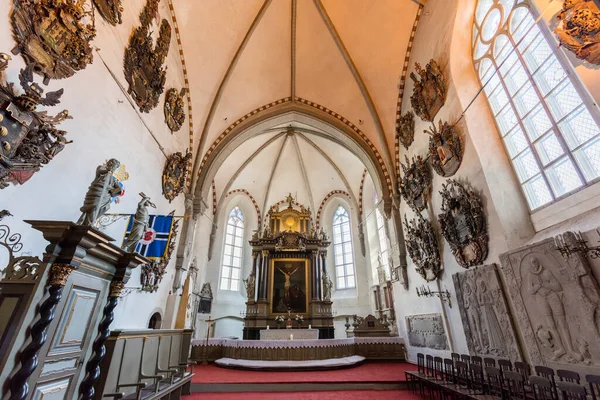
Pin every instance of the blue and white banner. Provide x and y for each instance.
(156, 238)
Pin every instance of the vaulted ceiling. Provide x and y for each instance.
(345, 55)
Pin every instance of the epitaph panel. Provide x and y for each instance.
(557, 305)
(427, 330)
(484, 313)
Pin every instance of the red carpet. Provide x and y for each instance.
(371, 372)
(328, 395)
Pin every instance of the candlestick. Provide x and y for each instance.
(291, 336)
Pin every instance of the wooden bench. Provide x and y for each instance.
(146, 365)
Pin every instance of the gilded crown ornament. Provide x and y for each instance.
(429, 92)
(143, 61)
(406, 129)
(422, 247)
(463, 224)
(415, 185)
(53, 36)
(445, 149)
(579, 30)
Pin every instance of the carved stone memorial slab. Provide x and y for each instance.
(445, 149)
(556, 300)
(427, 330)
(484, 313)
(415, 185)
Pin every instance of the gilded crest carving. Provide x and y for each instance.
(445, 149)
(429, 92)
(422, 247)
(174, 174)
(111, 10)
(53, 36)
(143, 61)
(580, 29)
(174, 109)
(406, 129)
(463, 224)
(415, 185)
(29, 139)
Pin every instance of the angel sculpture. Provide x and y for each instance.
(140, 223)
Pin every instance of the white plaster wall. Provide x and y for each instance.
(104, 125)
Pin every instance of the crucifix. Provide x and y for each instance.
(208, 322)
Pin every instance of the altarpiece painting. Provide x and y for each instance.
(289, 290)
(556, 300)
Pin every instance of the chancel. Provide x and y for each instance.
(316, 198)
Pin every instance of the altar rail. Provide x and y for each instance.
(380, 348)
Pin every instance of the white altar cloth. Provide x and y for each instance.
(286, 334)
(264, 344)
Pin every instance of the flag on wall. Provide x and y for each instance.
(156, 238)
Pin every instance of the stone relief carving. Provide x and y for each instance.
(415, 185)
(427, 330)
(53, 36)
(429, 92)
(111, 10)
(406, 129)
(580, 29)
(174, 174)
(143, 62)
(445, 149)
(422, 247)
(557, 304)
(174, 109)
(463, 224)
(484, 313)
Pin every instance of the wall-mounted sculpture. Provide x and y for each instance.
(174, 174)
(429, 93)
(580, 29)
(29, 139)
(111, 10)
(484, 313)
(556, 301)
(174, 109)
(53, 36)
(463, 224)
(422, 247)
(445, 149)
(140, 224)
(426, 330)
(143, 62)
(101, 192)
(406, 129)
(415, 185)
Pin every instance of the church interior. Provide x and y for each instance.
(316, 199)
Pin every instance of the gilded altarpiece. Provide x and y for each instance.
(556, 300)
(289, 275)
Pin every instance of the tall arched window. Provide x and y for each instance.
(342, 250)
(232, 253)
(550, 135)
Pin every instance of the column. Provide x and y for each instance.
(322, 272)
(314, 273)
(254, 272)
(262, 294)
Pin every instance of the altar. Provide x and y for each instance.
(289, 334)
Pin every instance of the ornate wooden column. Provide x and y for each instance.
(59, 273)
(264, 273)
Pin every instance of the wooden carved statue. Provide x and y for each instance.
(174, 174)
(429, 93)
(580, 29)
(53, 36)
(463, 224)
(29, 139)
(143, 62)
(111, 10)
(174, 109)
(103, 188)
(140, 223)
(445, 149)
(415, 185)
(406, 129)
(422, 247)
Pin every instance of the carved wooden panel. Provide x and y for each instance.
(484, 313)
(557, 305)
(52, 390)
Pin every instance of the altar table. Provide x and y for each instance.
(286, 334)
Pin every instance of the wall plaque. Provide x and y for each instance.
(406, 129)
(427, 330)
(174, 174)
(174, 109)
(415, 185)
(445, 149)
(111, 10)
(429, 92)
(580, 29)
(422, 247)
(556, 300)
(463, 224)
(484, 313)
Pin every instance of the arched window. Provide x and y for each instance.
(549, 133)
(232, 254)
(342, 250)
